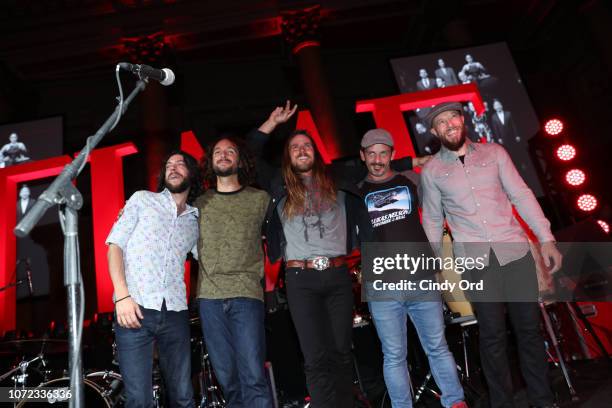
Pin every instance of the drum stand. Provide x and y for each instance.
(464, 372)
(20, 379)
(559, 361)
(360, 394)
(211, 394)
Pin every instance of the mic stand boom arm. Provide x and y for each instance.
(62, 191)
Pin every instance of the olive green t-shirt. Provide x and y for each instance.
(230, 253)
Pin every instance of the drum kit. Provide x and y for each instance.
(37, 363)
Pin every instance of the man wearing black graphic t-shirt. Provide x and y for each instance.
(393, 209)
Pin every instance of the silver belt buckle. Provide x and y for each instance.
(321, 263)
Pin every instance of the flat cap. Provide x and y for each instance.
(375, 136)
(439, 108)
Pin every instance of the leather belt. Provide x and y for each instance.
(319, 263)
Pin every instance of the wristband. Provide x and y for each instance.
(123, 298)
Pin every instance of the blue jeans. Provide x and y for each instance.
(135, 352)
(390, 321)
(234, 334)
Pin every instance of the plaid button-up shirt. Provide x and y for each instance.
(476, 199)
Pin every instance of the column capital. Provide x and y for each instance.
(301, 27)
(148, 49)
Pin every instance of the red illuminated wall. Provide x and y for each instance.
(9, 178)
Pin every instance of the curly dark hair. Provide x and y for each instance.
(246, 163)
(195, 175)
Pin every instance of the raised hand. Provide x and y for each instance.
(280, 114)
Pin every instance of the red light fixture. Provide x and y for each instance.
(575, 177)
(604, 226)
(553, 127)
(587, 202)
(566, 152)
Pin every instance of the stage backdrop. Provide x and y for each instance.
(23, 143)
(509, 118)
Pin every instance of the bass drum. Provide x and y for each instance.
(100, 389)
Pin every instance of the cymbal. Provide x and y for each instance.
(34, 346)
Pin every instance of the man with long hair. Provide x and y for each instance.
(313, 222)
(148, 246)
(231, 268)
(474, 187)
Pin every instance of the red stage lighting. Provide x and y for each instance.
(553, 127)
(604, 226)
(575, 177)
(566, 152)
(587, 202)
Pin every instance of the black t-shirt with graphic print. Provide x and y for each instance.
(393, 208)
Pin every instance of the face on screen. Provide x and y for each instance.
(24, 193)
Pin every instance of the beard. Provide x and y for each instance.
(302, 167)
(454, 146)
(180, 188)
(230, 171)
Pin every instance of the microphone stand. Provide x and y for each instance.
(63, 193)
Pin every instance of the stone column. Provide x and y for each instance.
(152, 50)
(301, 32)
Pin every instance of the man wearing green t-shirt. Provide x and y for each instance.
(231, 268)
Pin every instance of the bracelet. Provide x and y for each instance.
(123, 298)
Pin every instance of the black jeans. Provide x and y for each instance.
(525, 320)
(321, 305)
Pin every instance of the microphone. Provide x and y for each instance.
(164, 76)
(29, 275)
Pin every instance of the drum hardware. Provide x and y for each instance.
(359, 320)
(101, 389)
(559, 361)
(273, 392)
(20, 379)
(424, 387)
(359, 391)
(158, 390)
(576, 312)
(459, 314)
(211, 393)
